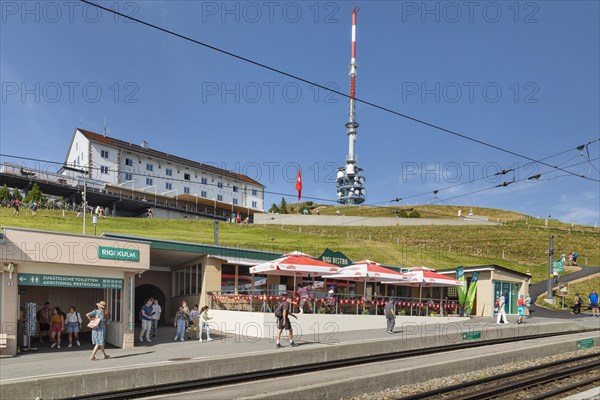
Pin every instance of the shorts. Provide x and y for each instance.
(72, 327)
(44, 327)
(594, 305)
(521, 310)
(56, 328)
(284, 324)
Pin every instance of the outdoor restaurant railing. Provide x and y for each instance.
(323, 303)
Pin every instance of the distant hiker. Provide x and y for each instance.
(282, 313)
(555, 274)
(16, 205)
(594, 303)
(578, 301)
(500, 302)
(390, 315)
(521, 308)
(575, 255)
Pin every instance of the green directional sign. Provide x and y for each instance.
(585, 343)
(69, 281)
(555, 269)
(558, 264)
(115, 253)
(335, 257)
(471, 335)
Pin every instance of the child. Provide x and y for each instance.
(204, 323)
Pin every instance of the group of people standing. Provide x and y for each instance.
(186, 322)
(593, 299)
(523, 308)
(53, 322)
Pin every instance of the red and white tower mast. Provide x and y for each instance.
(350, 189)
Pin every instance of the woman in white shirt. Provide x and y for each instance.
(73, 322)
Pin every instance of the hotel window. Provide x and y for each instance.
(204, 181)
(186, 190)
(104, 153)
(169, 172)
(254, 193)
(168, 186)
(220, 185)
(186, 177)
(103, 169)
(128, 177)
(149, 167)
(254, 205)
(203, 194)
(149, 181)
(235, 201)
(219, 197)
(187, 280)
(129, 162)
(235, 188)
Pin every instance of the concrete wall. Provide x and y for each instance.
(334, 220)
(263, 325)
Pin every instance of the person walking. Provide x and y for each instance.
(157, 310)
(555, 274)
(390, 315)
(146, 317)
(521, 308)
(57, 324)
(43, 317)
(204, 318)
(594, 303)
(181, 321)
(283, 313)
(577, 304)
(501, 312)
(16, 203)
(73, 321)
(98, 334)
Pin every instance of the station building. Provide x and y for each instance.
(493, 280)
(123, 270)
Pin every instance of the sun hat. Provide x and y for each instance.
(102, 304)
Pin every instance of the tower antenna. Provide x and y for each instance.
(350, 189)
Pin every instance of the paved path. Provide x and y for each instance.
(537, 289)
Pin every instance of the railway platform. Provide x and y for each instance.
(68, 372)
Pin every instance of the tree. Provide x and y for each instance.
(16, 194)
(283, 207)
(35, 194)
(274, 208)
(4, 194)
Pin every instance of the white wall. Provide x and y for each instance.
(255, 324)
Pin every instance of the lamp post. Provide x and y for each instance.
(95, 221)
(215, 224)
(84, 202)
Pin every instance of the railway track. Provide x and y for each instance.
(528, 383)
(178, 387)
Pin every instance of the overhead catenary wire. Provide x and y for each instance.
(315, 84)
(580, 148)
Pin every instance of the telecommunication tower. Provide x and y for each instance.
(350, 182)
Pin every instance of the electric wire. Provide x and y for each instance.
(296, 77)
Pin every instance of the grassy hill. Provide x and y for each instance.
(513, 245)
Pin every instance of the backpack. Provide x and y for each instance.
(279, 311)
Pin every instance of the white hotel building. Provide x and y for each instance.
(126, 166)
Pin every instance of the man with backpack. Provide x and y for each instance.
(282, 313)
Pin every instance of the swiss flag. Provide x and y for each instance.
(299, 184)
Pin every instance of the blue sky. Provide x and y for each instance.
(522, 76)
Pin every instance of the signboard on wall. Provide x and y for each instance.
(115, 253)
(68, 281)
(335, 257)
